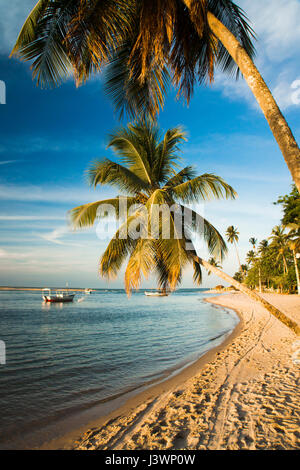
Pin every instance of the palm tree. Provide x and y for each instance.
(148, 173)
(232, 235)
(251, 257)
(263, 245)
(147, 43)
(279, 243)
(293, 238)
(253, 242)
(244, 268)
(212, 261)
(293, 245)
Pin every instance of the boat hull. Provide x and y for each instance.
(69, 298)
(156, 294)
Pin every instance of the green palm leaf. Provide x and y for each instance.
(129, 145)
(140, 264)
(118, 249)
(28, 31)
(108, 172)
(186, 174)
(204, 187)
(212, 237)
(42, 40)
(85, 215)
(167, 151)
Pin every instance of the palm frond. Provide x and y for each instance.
(235, 19)
(129, 95)
(186, 174)
(204, 187)
(121, 245)
(28, 30)
(85, 215)
(108, 172)
(200, 226)
(193, 54)
(128, 143)
(42, 40)
(175, 255)
(97, 29)
(140, 264)
(167, 154)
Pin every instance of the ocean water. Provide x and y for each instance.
(68, 362)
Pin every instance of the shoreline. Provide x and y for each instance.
(39, 289)
(149, 393)
(244, 394)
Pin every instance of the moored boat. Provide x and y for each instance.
(157, 294)
(60, 296)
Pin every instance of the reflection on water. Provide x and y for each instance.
(64, 357)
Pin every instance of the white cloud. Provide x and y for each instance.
(276, 24)
(11, 19)
(56, 235)
(8, 162)
(12, 255)
(29, 217)
(71, 195)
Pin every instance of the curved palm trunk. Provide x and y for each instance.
(297, 272)
(252, 294)
(268, 105)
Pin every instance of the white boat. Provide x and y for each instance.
(60, 296)
(157, 294)
(87, 291)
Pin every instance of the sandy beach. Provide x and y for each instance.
(244, 394)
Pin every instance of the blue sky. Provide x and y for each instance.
(48, 139)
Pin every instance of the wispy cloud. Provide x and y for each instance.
(276, 23)
(8, 162)
(29, 218)
(4, 254)
(71, 195)
(25, 144)
(11, 19)
(56, 235)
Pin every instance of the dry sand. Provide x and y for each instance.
(246, 397)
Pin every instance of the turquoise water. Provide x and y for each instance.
(63, 359)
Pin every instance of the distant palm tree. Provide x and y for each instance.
(143, 41)
(244, 268)
(251, 257)
(279, 243)
(215, 263)
(293, 238)
(232, 235)
(148, 173)
(253, 242)
(293, 245)
(263, 245)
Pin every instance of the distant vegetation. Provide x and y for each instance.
(273, 263)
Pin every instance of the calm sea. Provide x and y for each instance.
(68, 362)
